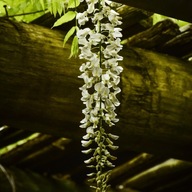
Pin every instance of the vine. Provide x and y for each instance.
(99, 46)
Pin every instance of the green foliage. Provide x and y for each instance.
(56, 6)
(69, 34)
(70, 15)
(27, 11)
(73, 3)
(2, 10)
(20, 9)
(74, 47)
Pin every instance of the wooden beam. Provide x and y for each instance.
(22, 152)
(165, 37)
(156, 36)
(39, 91)
(159, 175)
(180, 9)
(14, 179)
(133, 167)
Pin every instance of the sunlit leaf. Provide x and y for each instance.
(54, 8)
(68, 35)
(74, 47)
(60, 9)
(42, 4)
(73, 3)
(70, 15)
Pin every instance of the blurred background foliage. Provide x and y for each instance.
(22, 10)
(28, 10)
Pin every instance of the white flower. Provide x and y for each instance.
(114, 99)
(96, 38)
(89, 160)
(116, 90)
(90, 130)
(114, 46)
(113, 147)
(115, 137)
(85, 125)
(82, 18)
(111, 62)
(85, 95)
(91, 7)
(115, 79)
(99, 87)
(92, 1)
(91, 174)
(85, 52)
(83, 67)
(97, 17)
(95, 61)
(87, 151)
(105, 93)
(109, 105)
(116, 33)
(114, 18)
(117, 70)
(107, 27)
(97, 71)
(86, 143)
(109, 164)
(108, 120)
(87, 80)
(82, 33)
(99, 46)
(102, 91)
(89, 103)
(83, 41)
(94, 120)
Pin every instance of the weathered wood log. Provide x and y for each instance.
(16, 180)
(22, 152)
(159, 175)
(177, 9)
(134, 20)
(131, 15)
(133, 167)
(165, 37)
(9, 136)
(39, 91)
(181, 44)
(156, 36)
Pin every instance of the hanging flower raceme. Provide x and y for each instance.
(99, 47)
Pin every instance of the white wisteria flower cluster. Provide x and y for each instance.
(99, 45)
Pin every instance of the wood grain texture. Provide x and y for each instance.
(39, 91)
(180, 9)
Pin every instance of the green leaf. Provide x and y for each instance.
(74, 47)
(61, 8)
(42, 4)
(73, 3)
(70, 15)
(68, 35)
(54, 8)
